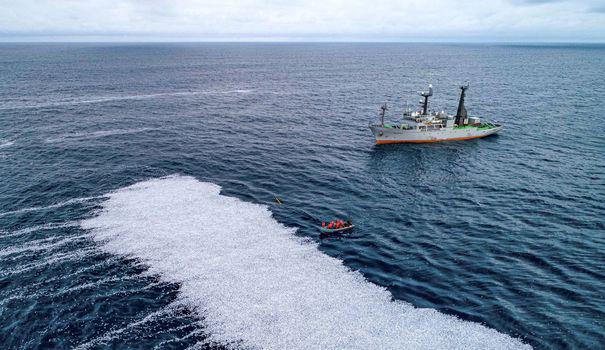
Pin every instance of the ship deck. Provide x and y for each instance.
(485, 126)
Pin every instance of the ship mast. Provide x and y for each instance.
(383, 110)
(425, 101)
(461, 113)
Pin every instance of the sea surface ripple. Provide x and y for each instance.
(506, 233)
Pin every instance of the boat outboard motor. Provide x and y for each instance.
(461, 113)
(425, 103)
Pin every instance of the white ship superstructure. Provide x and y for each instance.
(423, 126)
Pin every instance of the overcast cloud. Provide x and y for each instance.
(329, 20)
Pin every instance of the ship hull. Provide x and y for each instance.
(385, 135)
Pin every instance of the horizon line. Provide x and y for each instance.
(261, 41)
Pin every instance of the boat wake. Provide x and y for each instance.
(80, 136)
(104, 99)
(6, 143)
(257, 285)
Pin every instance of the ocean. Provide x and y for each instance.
(137, 200)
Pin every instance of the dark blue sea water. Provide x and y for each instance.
(507, 231)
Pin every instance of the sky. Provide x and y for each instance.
(304, 20)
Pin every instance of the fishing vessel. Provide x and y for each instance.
(425, 126)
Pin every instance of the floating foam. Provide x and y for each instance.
(94, 285)
(165, 343)
(38, 292)
(13, 296)
(70, 275)
(256, 285)
(57, 258)
(52, 226)
(52, 206)
(40, 244)
(115, 334)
